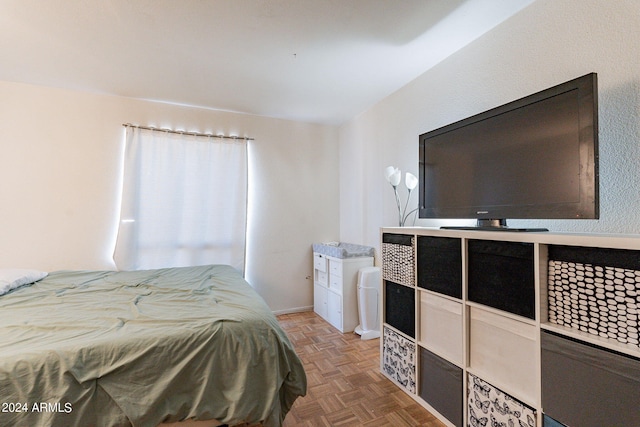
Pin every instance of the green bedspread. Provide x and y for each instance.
(103, 348)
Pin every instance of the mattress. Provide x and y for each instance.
(139, 348)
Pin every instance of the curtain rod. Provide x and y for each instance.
(184, 132)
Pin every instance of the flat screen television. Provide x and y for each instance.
(533, 158)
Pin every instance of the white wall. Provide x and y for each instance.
(545, 44)
(60, 166)
(60, 151)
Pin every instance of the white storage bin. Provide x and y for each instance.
(441, 327)
(320, 295)
(504, 351)
(321, 278)
(335, 283)
(334, 309)
(320, 262)
(335, 267)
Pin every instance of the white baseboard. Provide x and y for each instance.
(294, 310)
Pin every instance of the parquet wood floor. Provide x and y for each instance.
(344, 383)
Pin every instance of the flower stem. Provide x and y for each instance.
(403, 217)
(400, 221)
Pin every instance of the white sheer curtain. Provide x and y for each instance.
(184, 201)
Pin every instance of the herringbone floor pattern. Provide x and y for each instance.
(345, 386)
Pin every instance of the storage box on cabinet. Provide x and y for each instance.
(501, 275)
(441, 326)
(491, 406)
(398, 258)
(335, 267)
(399, 307)
(335, 284)
(320, 295)
(319, 262)
(321, 278)
(398, 359)
(588, 386)
(441, 384)
(595, 290)
(320, 270)
(335, 275)
(440, 265)
(504, 351)
(335, 314)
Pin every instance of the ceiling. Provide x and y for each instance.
(322, 61)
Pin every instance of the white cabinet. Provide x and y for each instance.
(320, 300)
(335, 282)
(334, 310)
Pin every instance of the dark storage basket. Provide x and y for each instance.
(400, 308)
(501, 275)
(440, 265)
(588, 386)
(441, 386)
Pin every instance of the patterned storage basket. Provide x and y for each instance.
(600, 300)
(399, 359)
(398, 258)
(490, 406)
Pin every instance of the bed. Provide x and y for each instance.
(141, 348)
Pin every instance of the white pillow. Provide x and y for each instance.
(12, 278)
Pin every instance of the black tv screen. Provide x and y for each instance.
(533, 158)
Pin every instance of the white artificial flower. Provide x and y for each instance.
(410, 181)
(393, 175)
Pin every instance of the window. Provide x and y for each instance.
(184, 201)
